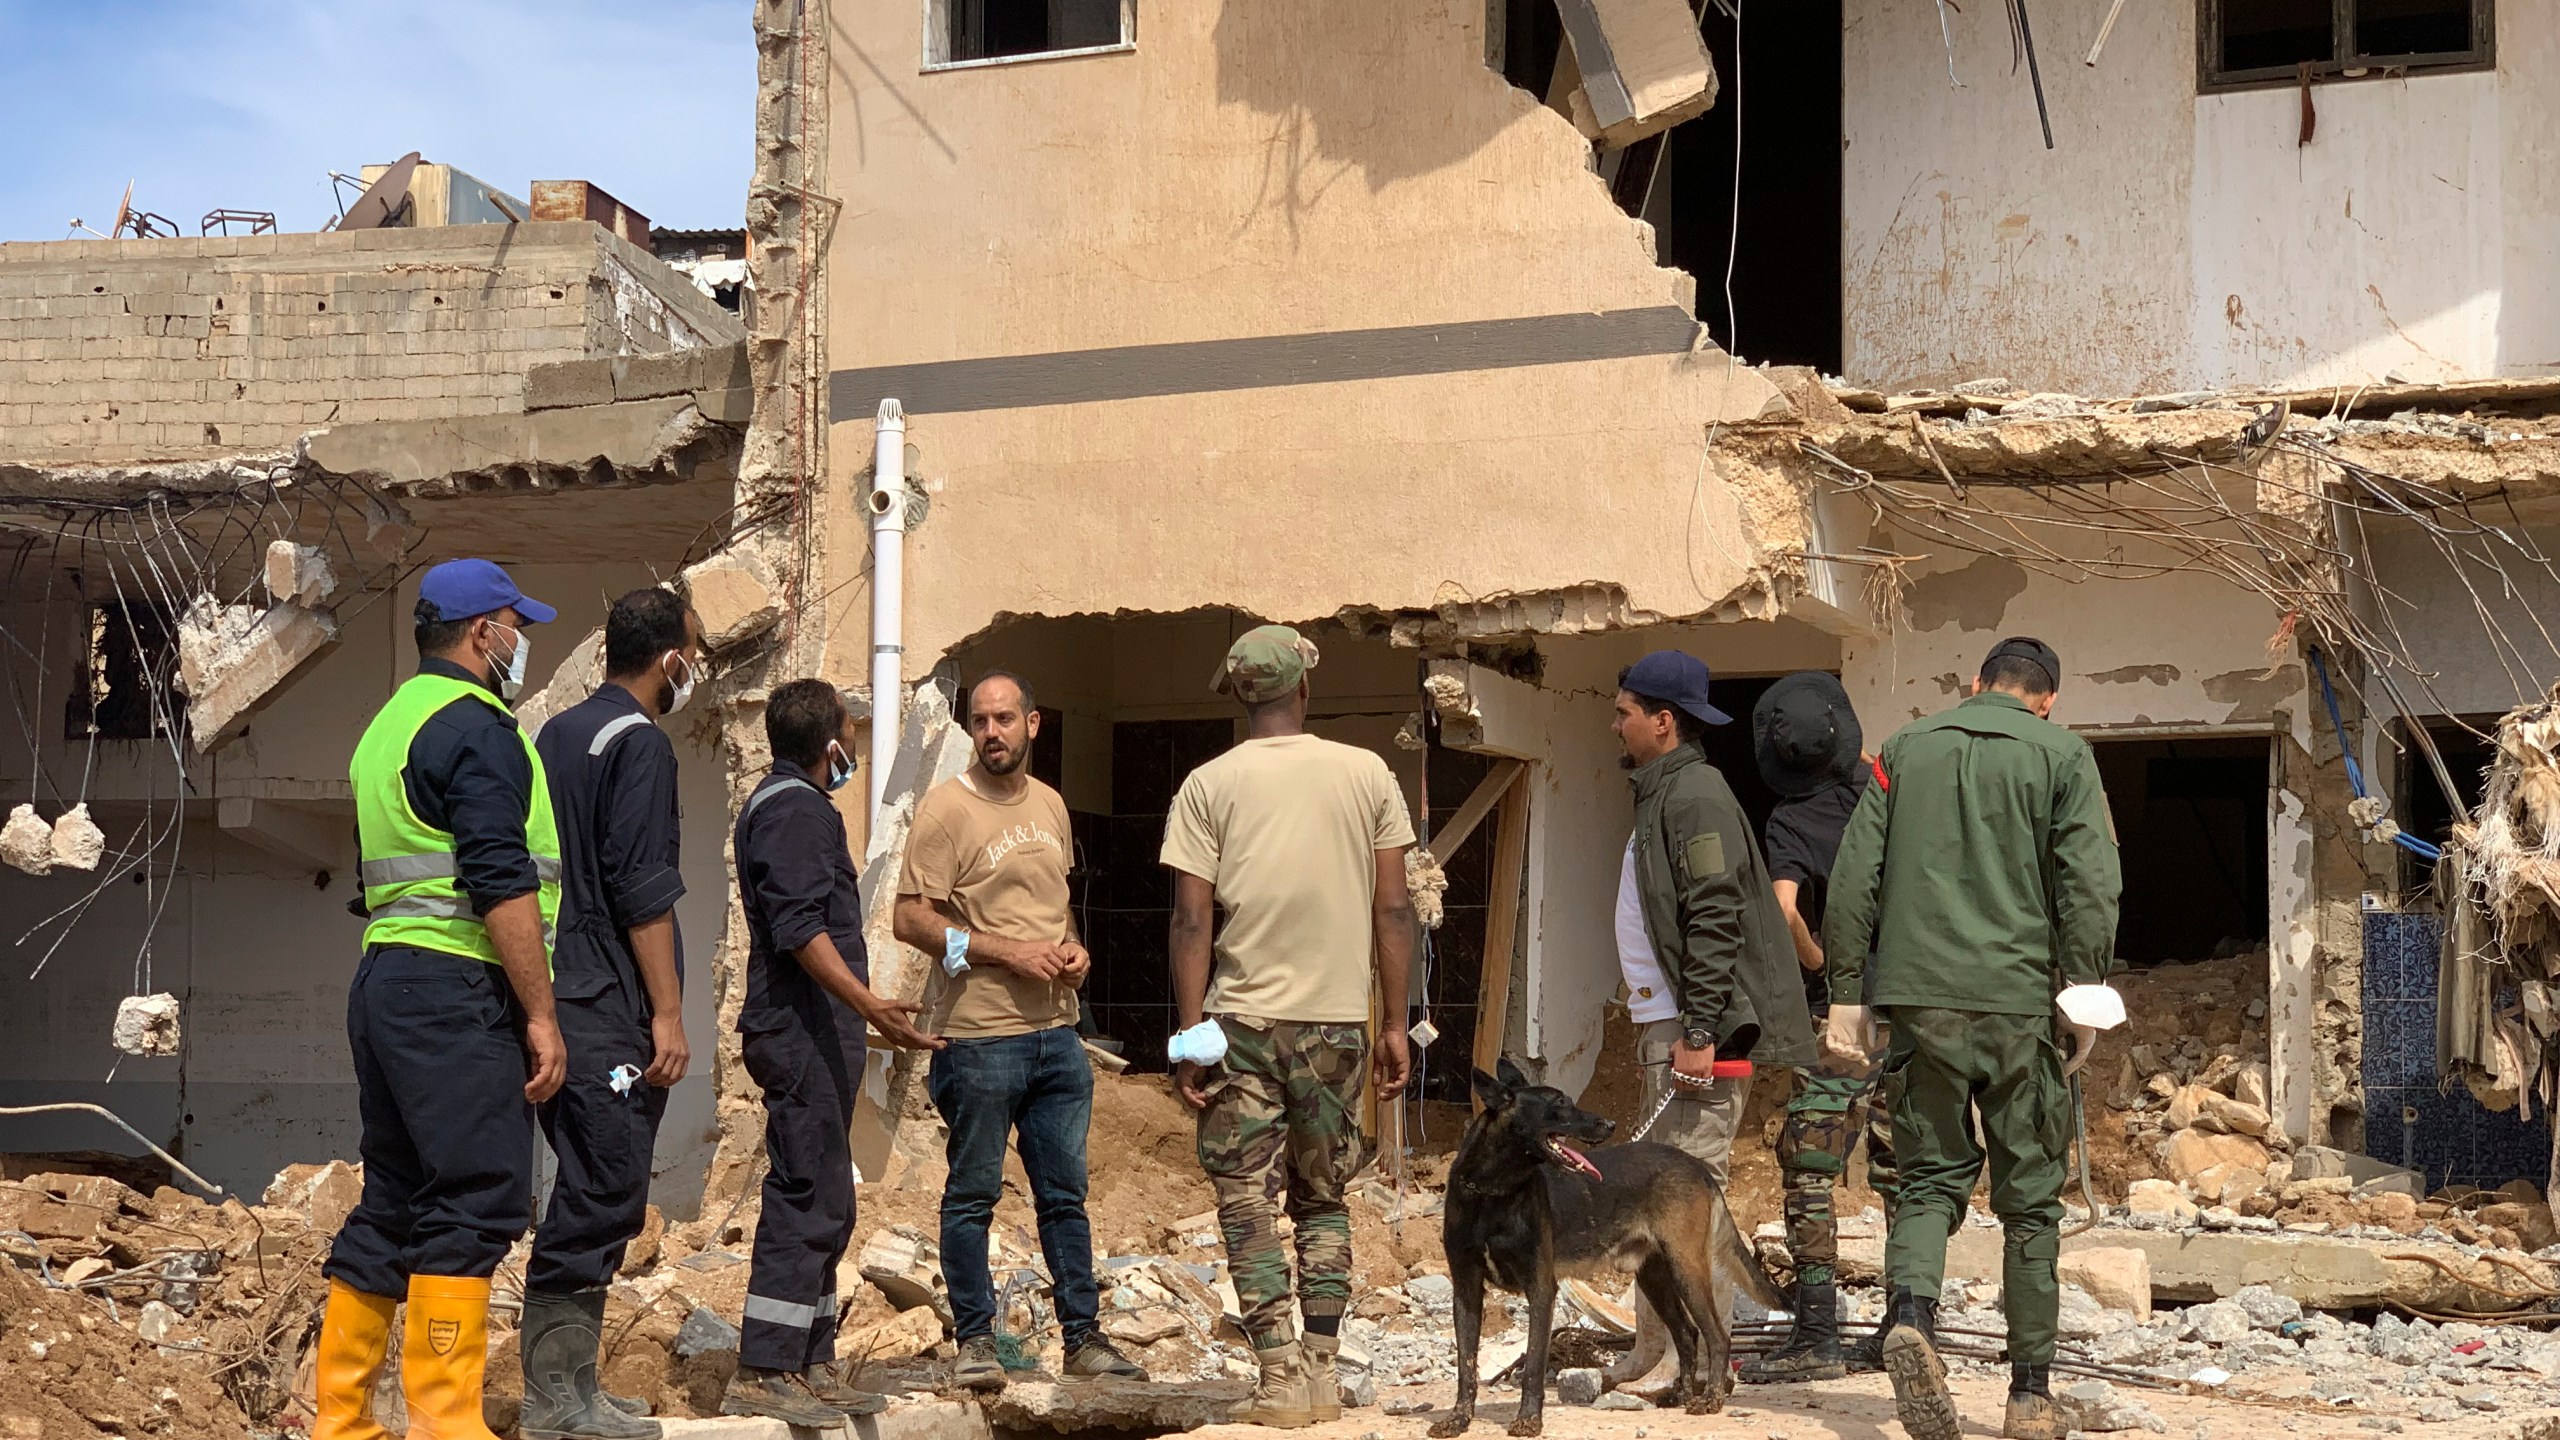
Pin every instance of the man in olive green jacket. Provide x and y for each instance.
(1982, 879)
(1711, 917)
(1709, 964)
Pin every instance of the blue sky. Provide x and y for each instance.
(249, 103)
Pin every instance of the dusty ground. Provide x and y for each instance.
(68, 1372)
(1861, 1408)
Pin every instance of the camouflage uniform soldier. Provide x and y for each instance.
(1805, 738)
(1303, 842)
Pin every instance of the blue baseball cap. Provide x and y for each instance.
(461, 589)
(1675, 678)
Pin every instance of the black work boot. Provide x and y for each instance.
(2032, 1415)
(1812, 1351)
(1865, 1355)
(557, 1345)
(1911, 1362)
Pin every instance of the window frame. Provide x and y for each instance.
(937, 41)
(2211, 78)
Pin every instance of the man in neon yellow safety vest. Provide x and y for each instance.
(450, 1016)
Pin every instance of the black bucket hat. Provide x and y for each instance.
(1804, 735)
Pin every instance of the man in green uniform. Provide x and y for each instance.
(1981, 876)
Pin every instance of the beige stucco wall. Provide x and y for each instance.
(1251, 171)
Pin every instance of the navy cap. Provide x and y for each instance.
(1674, 677)
(461, 589)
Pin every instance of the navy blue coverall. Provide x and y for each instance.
(613, 796)
(438, 1039)
(805, 1048)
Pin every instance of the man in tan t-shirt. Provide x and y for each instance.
(984, 890)
(1303, 841)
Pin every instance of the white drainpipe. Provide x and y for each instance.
(888, 593)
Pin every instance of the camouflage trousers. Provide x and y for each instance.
(1825, 1115)
(1282, 1129)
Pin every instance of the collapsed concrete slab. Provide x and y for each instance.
(228, 670)
(643, 442)
(1142, 1406)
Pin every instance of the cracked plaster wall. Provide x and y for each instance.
(2176, 241)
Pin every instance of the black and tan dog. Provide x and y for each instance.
(1526, 1208)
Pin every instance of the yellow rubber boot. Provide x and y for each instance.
(444, 1357)
(355, 1338)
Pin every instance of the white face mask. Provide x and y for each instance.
(511, 674)
(683, 688)
(839, 768)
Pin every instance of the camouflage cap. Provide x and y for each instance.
(1264, 664)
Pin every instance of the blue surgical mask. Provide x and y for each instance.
(839, 769)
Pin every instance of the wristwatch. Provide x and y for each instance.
(1698, 1037)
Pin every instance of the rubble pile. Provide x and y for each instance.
(143, 1308)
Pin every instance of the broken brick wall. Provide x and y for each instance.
(121, 350)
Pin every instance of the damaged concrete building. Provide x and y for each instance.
(1494, 344)
(1452, 371)
(222, 463)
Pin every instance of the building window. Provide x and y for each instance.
(990, 32)
(123, 691)
(2267, 42)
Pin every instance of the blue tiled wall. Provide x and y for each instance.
(2453, 1139)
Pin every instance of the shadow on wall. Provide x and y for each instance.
(1357, 86)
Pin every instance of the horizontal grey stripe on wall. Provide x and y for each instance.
(1256, 362)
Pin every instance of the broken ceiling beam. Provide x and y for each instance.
(1644, 67)
(636, 443)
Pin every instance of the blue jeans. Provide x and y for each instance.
(1040, 1086)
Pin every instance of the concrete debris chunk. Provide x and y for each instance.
(322, 1194)
(734, 601)
(2119, 1279)
(703, 1332)
(147, 1025)
(2267, 1310)
(2097, 1407)
(78, 843)
(2159, 1201)
(1143, 1326)
(905, 1267)
(26, 843)
(2220, 1322)
(299, 574)
(155, 1321)
(904, 1336)
(1620, 1400)
(1577, 1387)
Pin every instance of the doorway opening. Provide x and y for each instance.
(2191, 836)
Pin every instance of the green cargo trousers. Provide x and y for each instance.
(1942, 1069)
